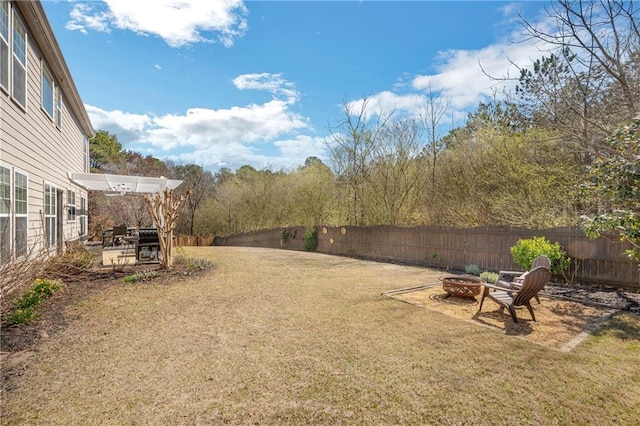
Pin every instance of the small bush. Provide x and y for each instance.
(310, 239)
(141, 276)
(194, 264)
(287, 234)
(21, 316)
(525, 251)
(24, 308)
(473, 270)
(489, 277)
(46, 287)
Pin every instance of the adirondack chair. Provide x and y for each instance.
(533, 282)
(518, 276)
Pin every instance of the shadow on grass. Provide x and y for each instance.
(624, 326)
(453, 300)
(502, 317)
(571, 315)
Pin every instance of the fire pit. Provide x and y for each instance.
(461, 285)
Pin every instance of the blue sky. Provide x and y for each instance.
(224, 83)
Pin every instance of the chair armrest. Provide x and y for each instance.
(508, 285)
(502, 274)
(497, 287)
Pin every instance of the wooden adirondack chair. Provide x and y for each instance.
(518, 276)
(533, 282)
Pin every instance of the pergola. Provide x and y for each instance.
(122, 184)
(164, 207)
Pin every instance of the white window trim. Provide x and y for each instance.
(15, 16)
(12, 215)
(8, 213)
(50, 234)
(71, 206)
(46, 75)
(6, 41)
(84, 223)
(17, 215)
(85, 141)
(58, 108)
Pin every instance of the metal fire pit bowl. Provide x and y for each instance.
(461, 285)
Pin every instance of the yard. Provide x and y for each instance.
(286, 337)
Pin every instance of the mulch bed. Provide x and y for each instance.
(566, 312)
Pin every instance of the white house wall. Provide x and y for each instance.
(31, 143)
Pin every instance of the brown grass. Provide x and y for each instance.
(280, 337)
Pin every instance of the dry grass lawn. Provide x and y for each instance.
(281, 337)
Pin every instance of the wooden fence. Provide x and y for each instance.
(600, 261)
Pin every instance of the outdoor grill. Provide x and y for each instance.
(148, 248)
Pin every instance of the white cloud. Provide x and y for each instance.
(465, 77)
(302, 147)
(292, 153)
(273, 83)
(386, 102)
(124, 125)
(469, 76)
(178, 22)
(213, 137)
(158, 67)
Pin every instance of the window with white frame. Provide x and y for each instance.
(47, 91)
(50, 214)
(4, 44)
(5, 214)
(19, 69)
(83, 216)
(20, 212)
(71, 206)
(85, 142)
(59, 109)
(13, 214)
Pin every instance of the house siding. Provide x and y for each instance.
(30, 141)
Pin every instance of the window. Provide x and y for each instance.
(85, 142)
(13, 214)
(4, 44)
(5, 214)
(19, 86)
(50, 214)
(47, 91)
(59, 109)
(20, 201)
(71, 205)
(83, 216)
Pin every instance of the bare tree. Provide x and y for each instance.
(395, 176)
(352, 145)
(602, 34)
(430, 116)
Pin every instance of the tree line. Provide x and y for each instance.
(528, 158)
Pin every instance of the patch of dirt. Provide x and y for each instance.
(623, 300)
(558, 321)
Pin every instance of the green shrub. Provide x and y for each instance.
(310, 239)
(21, 316)
(131, 278)
(46, 287)
(489, 277)
(145, 275)
(24, 308)
(525, 251)
(287, 234)
(473, 270)
(194, 264)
